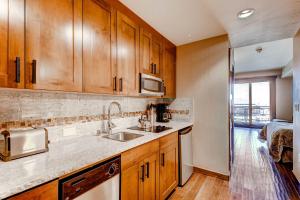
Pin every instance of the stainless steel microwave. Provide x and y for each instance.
(151, 85)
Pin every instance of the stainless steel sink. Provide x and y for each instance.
(123, 136)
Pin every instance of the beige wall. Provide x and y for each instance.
(202, 74)
(296, 101)
(284, 95)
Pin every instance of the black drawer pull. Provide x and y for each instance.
(143, 173)
(115, 84)
(33, 71)
(121, 84)
(18, 69)
(154, 68)
(147, 170)
(75, 183)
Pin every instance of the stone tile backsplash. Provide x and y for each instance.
(68, 115)
(28, 105)
(182, 109)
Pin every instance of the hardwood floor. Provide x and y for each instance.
(201, 186)
(254, 175)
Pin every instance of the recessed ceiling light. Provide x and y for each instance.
(243, 14)
(259, 49)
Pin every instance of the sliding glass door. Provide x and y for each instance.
(261, 103)
(241, 103)
(252, 103)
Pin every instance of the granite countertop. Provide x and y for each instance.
(67, 156)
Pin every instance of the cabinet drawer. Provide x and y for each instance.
(168, 140)
(135, 155)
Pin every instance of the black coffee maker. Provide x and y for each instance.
(162, 113)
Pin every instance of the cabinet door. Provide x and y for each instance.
(127, 55)
(151, 181)
(48, 191)
(98, 47)
(131, 182)
(168, 169)
(146, 65)
(12, 43)
(157, 50)
(169, 72)
(54, 45)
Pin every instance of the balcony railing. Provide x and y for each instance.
(260, 114)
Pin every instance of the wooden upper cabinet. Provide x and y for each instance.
(54, 45)
(151, 53)
(127, 55)
(99, 36)
(12, 43)
(169, 72)
(146, 65)
(157, 55)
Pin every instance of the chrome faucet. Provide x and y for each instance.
(111, 125)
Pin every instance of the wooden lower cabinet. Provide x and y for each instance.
(150, 171)
(168, 170)
(151, 178)
(48, 191)
(140, 181)
(130, 182)
(140, 172)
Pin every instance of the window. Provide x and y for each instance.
(252, 103)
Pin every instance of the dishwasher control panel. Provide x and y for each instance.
(81, 182)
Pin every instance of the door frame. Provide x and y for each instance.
(231, 81)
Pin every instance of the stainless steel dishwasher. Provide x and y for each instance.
(185, 155)
(100, 182)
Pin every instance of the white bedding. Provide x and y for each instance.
(274, 126)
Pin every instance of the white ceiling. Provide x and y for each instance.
(185, 21)
(274, 55)
(272, 20)
(180, 21)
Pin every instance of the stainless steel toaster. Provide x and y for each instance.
(22, 142)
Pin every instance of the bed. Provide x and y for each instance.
(279, 137)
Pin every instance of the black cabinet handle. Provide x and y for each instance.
(143, 173)
(18, 69)
(154, 68)
(115, 84)
(33, 71)
(121, 84)
(163, 159)
(147, 170)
